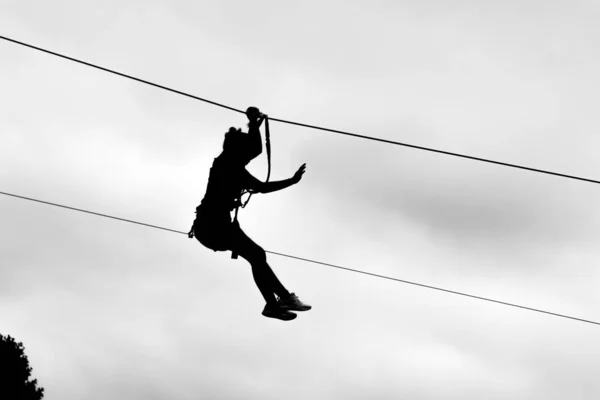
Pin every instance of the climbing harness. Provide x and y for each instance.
(238, 201)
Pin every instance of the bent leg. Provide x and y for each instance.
(264, 277)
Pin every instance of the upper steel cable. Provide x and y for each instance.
(305, 125)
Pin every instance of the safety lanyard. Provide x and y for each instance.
(268, 146)
(239, 202)
(234, 255)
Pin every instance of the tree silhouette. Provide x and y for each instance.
(15, 372)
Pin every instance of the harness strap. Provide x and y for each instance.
(191, 232)
(234, 255)
(268, 146)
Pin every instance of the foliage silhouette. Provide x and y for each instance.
(15, 372)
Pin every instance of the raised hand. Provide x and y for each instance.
(298, 175)
(253, 114)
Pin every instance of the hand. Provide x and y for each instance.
(261, 118)
(298, 175)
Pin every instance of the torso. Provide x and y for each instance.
(224, 186)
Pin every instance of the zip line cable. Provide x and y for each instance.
(120, 74)
(302, 124)
(319, 262)
(90, 212)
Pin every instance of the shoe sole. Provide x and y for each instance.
(295, 309)
(289, 316)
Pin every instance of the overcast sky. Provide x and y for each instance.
(111, 310)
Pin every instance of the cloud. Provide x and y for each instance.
(110, 309)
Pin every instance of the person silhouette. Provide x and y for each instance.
(214, 228)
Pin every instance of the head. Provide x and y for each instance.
(234, 142)
(253, 113)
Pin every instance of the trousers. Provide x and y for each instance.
(217, 232)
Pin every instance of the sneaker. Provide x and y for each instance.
(293, 303)
(275, 311)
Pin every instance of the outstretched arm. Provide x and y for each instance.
(268, 187)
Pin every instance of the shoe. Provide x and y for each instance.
(275, 311)
(293, 303)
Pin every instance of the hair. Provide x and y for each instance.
(251, 110)
(232, 139)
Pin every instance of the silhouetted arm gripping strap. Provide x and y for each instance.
(234, 255)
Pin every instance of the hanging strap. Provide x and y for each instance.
(234, 255)
(268, 146)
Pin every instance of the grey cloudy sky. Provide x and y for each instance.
(113, 310)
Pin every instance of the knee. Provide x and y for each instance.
(258, 255)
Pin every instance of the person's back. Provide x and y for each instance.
(225, 183)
